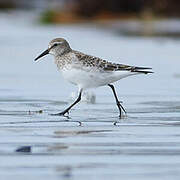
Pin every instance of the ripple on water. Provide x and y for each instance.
(141, 141)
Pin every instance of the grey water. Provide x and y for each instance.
(143, 145)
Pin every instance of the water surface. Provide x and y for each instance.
(144, 145)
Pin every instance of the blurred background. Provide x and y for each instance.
(138, 32)
(144, 145)
(102, 9)
(135, 32)
(146, 15)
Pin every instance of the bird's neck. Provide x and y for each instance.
(63, 52)
(64, 59)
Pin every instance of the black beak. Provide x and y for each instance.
(43, 54)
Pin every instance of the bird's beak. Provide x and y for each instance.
(43, 54)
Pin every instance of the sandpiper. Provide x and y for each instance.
(88, 71)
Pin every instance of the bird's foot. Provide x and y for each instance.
(62, 114)
(122, 111)
(122, 115)
(67, 116)
(121, 107)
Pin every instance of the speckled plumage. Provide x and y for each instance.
(84, 60)
(103, 65)
(88, 71)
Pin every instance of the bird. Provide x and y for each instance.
(87, 71)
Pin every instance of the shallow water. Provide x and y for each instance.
(143, 145)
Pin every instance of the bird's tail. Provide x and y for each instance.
(144, 70)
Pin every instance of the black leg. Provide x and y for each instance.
(120, 107)
(67, 110)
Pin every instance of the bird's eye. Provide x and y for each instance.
(55, 44)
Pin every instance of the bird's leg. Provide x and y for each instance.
(120, 107)
(67, 110)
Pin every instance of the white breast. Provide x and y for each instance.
(91, 78)
(81, 78)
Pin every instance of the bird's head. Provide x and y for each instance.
(56, 47)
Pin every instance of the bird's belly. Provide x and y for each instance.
(91, 79)
(80, 78)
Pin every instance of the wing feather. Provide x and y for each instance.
(104, 65)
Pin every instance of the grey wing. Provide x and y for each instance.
(123, 67)
(108, 66)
